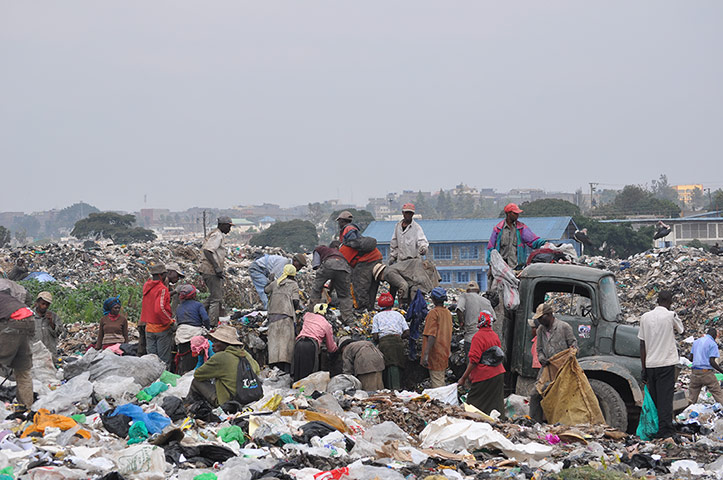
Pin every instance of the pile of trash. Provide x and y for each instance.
(72, 266)
(104, 416)
(693, 274)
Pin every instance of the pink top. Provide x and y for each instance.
(535, 360)
(318, 328)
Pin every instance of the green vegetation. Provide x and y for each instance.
(636, 200)
(111, 225)
(696, 244)
(549, 207)
(292, 236)
(85, 304)
(589, 473)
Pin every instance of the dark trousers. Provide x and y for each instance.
(661, 385)
(214, 284)
(202, 390)
(340, 283)
(365, 286)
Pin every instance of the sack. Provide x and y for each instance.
(362, 244)
(569, 399)
(446, 394)
(648, 425)
(248, 386)
(493, 356)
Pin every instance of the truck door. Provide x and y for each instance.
(573, 302)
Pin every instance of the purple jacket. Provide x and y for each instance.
(525, 237)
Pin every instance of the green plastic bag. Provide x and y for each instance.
(229, 434)
(206, 476)
(169, 378)
(648, 425)
(137, 433)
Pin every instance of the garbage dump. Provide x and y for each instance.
(106, 416)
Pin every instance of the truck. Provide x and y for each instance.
(609, 349)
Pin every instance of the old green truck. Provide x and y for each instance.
(609, 349)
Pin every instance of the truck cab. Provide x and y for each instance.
(609, 351)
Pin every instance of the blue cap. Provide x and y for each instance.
(439, 293)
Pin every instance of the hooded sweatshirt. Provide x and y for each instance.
(156, 306)
(223, 367)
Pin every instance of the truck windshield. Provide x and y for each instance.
(609, 306)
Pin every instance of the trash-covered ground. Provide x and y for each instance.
(317, 432)
(123, 417)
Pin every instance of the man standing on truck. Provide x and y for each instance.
(659, 356)
(510, 237)
(553, 337)
(705, 352)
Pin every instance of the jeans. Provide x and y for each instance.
(215, 297)
(260, 279)
(160, 343)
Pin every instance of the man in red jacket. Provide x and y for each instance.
(363, 282)
(156, 314)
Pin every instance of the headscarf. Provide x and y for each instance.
(199, 344)
(289, 271)
(386, 300)
(320, 308)
(110, 303)
(187, 292)
(485, 319)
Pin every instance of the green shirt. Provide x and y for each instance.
(222, 368)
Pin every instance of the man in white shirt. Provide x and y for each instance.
(408, 239)
(659, 356)
(214, 254)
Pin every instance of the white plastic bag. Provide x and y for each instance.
(141, 459)
(505, 281)
(446, 394)
(343, 382)
(316, 381)
(118, 388)
(457, 434)
(43, 370)
(61, 400)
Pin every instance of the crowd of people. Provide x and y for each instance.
(186, 334)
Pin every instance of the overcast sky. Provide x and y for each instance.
(221, 103)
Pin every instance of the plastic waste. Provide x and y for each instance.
(149, 393)
(648, 424)
(343, 382)
(43, 369)
(154, 421)
(456, 434)
(206, 476)
(144, 370)
(686, 466)
(317, 381)
(119, 389)
(141, 459)
(169, 378)
(229, 434)
(62, 399)
(447, 394)
(137, 433)
(53, 472)
(384, 432)
(516, 406)
(359, 471)
(44, 419)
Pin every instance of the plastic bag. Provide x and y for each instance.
(384, 432)
(648, 425)
(144, 370)
(120, 389)
(316, 381)
(43, 369)
(155, 422)
(446, 394)
(342, 383)
(61, 400)
(137, 459)
(505, 281)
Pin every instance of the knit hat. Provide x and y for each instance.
(438, 293)
(385, 300)
(378, 271)
(226, 334)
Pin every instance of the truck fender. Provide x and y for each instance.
(592, 365)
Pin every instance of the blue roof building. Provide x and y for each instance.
(457, 247)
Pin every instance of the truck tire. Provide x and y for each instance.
(612, 405)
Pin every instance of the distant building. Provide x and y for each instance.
(705, 227)
(685, 192)
(457, 247)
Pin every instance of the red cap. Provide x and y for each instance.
(408, 207)
(386, 300)
(512, 207)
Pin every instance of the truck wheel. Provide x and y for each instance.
(612, 405)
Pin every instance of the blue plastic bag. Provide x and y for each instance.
(648, 425)
(155, 422)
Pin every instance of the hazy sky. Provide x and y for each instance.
(220, 103)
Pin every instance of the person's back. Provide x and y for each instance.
(281, 299)
(156, 305)
(272, 264)
(362, 357)
(439, 324)
(192, 312)
(222, 367)
(472, 304)
(657, 328)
